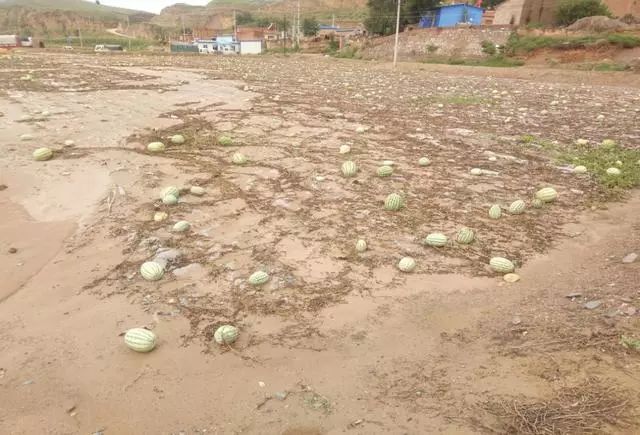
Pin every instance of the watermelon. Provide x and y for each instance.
(548, 194)
(151, 271)
(501, 265)
(580, 169)
(159, 216)
(385, 171)
(171, 190)
(197, 191)
(156, 147)
(436, 239)
(608, 143)
(239, 159)
(140, 340)
(476, 171)
(407, 264)
(517, 207)
(170, 200)
(225, 141)
(495, 212)
(614, 172)
(226, 334)
(349, 169)
(42, 154)
(181, 226)
(465, 236)
(393, 202)
(177, 139)
(258, 278)
(424, 161)
(537, 203)
(361, 245)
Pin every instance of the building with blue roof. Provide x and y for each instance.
(451, 16)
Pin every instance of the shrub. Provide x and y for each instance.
(570, 11)
(488, 47)
(348, 53)
(432, 48)
(333, 46)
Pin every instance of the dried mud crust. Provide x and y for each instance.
(27, 73)
(294, 215)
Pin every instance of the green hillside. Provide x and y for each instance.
(80, 7)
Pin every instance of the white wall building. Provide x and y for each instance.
(252, 47)
(207, 45)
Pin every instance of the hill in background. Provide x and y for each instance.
(57, 18)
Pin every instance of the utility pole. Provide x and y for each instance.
(184, 30)
(298, 26)
(80, 36)
(395, 48)
(235, 26)
(284, 33)
(293, 29)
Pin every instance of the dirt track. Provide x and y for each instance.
(358, 346)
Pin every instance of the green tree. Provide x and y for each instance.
(310, 27)
(243, 18)
(263, 22)
(382, 14)
(570, 11)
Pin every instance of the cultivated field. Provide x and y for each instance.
(336, 341)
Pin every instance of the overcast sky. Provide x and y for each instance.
(149, 5)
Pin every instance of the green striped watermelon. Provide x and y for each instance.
(349, 169)
(465, 236)
(436, 239)
(501, 265)
(393, 202)
(385, 171)
(140, 340)
(226, 334)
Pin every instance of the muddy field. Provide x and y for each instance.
(337, 341)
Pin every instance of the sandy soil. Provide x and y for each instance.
(336, 342)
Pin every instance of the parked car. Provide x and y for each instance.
(9, 41)
(26, 41)
(106, 48)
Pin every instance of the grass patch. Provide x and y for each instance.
(610, 67)
(92, 41)
(630, 343)
(493, 62)
(522, 44)
(597, 159)
(544, 144)
(602, 157)
(624, 40)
